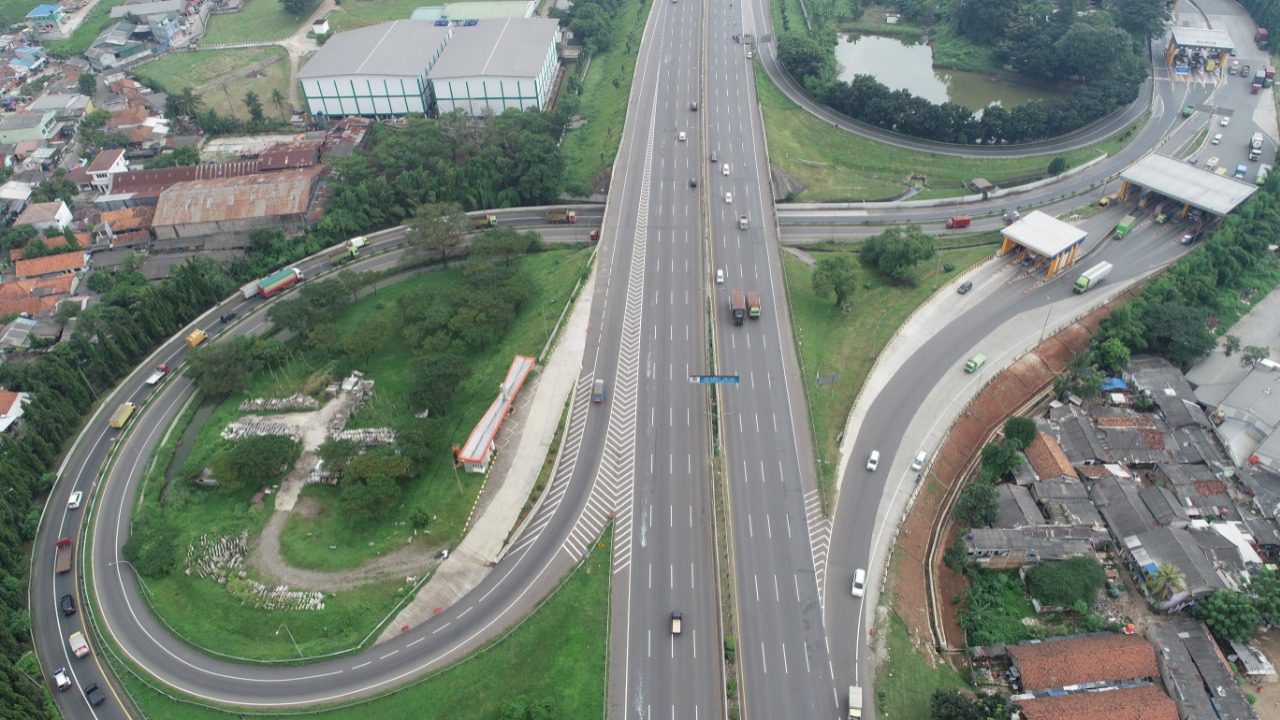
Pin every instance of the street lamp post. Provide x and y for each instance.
(290, 634)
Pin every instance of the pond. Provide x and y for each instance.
(910, 67)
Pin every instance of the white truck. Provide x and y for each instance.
(78, 646)
(155, 377)
(1092, 276)
(1255, 146)
(855, 702)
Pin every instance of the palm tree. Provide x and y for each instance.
(1166, 581)
(278, 99)
(188, 102)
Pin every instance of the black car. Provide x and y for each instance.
(965, 287)
(67, 604)
(94, 695)
(227, 317)
(693, 106)
(693, 182)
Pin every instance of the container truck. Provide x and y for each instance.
(1260, 37)
(744, 222)
(1124, 226)
(63, 553)
(79, 647)
(122, 414)
(484, 221)
(1092, 276)
(855, 702)
(562, 216)
(738, 305)
(279, 282)
(195, 337)
(345, 251)
(158, 375)
(249, 289)
(959, 221)
(753, 304)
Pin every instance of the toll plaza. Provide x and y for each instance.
(1197, 49)
(1043, 241)
(1177, 189)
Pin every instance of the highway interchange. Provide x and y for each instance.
(645, 456)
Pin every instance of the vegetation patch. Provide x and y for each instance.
(258, 20)
(568, 635)
(907, 678)
(845, 343)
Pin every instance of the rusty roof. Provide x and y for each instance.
(289, 156)
(62, 262)
(276, 194)
(1143, 702)
(7, 400)
(105, 160)
(1091, 658)
(130, 218)
(1047, 459)
(130, 116)
(150, 183)
(131, 238)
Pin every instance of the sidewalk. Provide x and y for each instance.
(515, 472)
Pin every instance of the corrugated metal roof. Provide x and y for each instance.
(514, 47)
(253, 196)
(150, 183)
(400, 48)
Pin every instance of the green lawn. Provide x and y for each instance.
(360, 13)
(906, 679)
(836, 166)
(177, 70)
(847, 344)
(99, 18)
(556, 655)
(258, 20)
(591, 149)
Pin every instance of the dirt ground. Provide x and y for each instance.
(1268, 705)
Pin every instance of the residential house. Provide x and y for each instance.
(1047, 458)
(48, 21)
(62, 263)
(15, 335)
(290, 156)
(113, 223)
(1249, 418)
(115, 46)
(1016, 507)
(27, 60)
(67, 107)
(1199, 491)
(34, 297)
(1196, 673)
(14, 197)
(11, 409)
(42, 216)
(106, 164)
(158, 19)
(1206, 560)
(1082, 662)
(1120, 503)
(1137, 702)
(28, 126)
(1009, 548)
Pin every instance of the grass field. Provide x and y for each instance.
(590, 149)
(556, 655)
(360, 13)
(836, 166)
(906, 680)
(220, 77)
(847, 344)
(258, 20)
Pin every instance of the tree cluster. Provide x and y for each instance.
(895, 252)
(978, 504)
(1066, 583)
(1235, 614)
(1173, 314)
(110, 339)
(592, 23)
(509, 160)
(956, 705)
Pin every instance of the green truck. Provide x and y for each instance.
(1124, 226)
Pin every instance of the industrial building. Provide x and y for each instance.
(414, 67)
(236, 205)
(376, 71)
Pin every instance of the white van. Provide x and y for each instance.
(919, 461)
(859, 583)
(719, 276)
(873, 462)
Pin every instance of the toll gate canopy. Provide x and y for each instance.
(1188, 184)
(1204, 38)
(1046, 236)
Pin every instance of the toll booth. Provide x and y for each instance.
(1044, 241)
(1197, 50)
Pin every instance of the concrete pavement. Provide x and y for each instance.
(515, 473)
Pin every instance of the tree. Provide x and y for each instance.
(804, 57)
(254, 461)
(435, 381)
(1253, 353)
(955, 705)
(152, 547)
(998, 460)
(1066, 583)
(222, 368)
(297, 7)
(1177, 331)
(1020, 431)
(977, 505)
(254, 106)
(1144, 19)
(87, 84)
(437, 229)
(1264, 588)
(1058, 165)
(1166, 581)
(1229, 614)
(279, 99)
(187, 102)
(369, 500)
(502, 244)
(895, 252)
(1113, 356)
(1230, 344)
(835, 275)
(183, 156)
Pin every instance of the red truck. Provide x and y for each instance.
(1260, 36)
(63, 554)
(959, 221)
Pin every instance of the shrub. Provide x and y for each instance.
(1066, 583)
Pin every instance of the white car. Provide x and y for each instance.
(719, 276)
(728, 198)
(919, 460)
(60, 679)
(1225, 121)
(724, 169)
(859, 583)
(1217, 139)
(74, 501)
(682, 137)
(873, 462)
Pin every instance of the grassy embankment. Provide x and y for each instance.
(567, 634)
(213, 618)
(838, 166)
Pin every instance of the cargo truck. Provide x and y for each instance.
(855, 702)
(738, 305)
(1268, 75)
(1162, 212)
(677, 623)
(484, 221)
(196, 337)
(79, 647)
(1092, 276)
(744, 222)
(122, 414)
(345, 251)
(562, 216)
(959, 221)
(1258, 79)
(158, 375)
(1255, 146)
(249, 289)
(1260, 37)
(1124, 226)
(753, 304)
(279, 282)
(63, 553)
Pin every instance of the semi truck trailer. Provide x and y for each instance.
(1092, 276)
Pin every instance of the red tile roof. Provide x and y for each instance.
(130, 116)
(7, 400)
(105, 160)
(79, 176)
(49, 264)
(1095, 658)
(130, 218)
(1047, 459)
(1144, 702)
